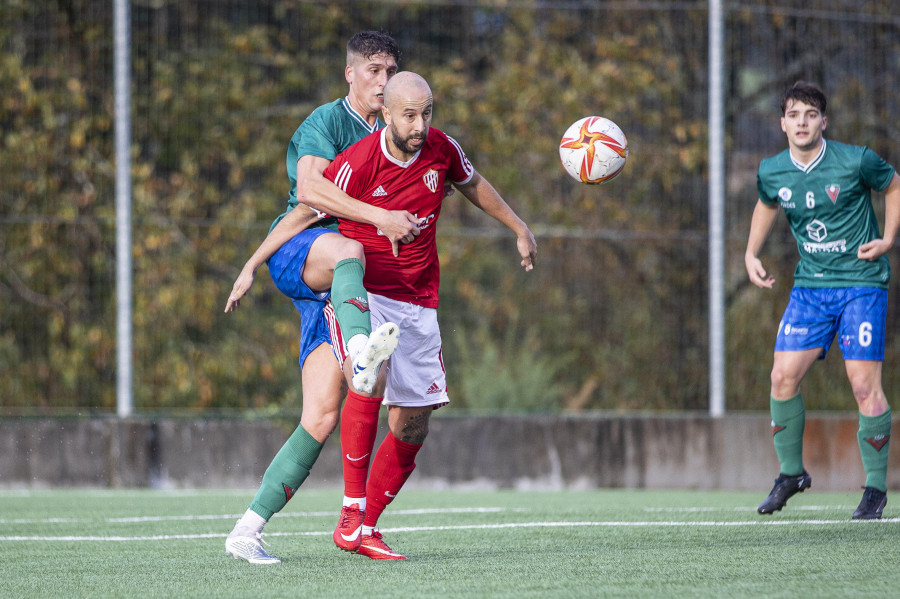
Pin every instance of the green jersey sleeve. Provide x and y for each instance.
(318, 135)
(874, 171)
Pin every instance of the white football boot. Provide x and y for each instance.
(249, 548)
(378, 348)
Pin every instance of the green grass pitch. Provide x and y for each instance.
(602, 543)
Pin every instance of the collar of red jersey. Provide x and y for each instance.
(387, 154)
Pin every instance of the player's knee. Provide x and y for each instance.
(412, 430)
(348, 249)
(320, 424)
(413, 437)
(784, 384)
(865, 392)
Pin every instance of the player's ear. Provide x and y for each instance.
(348, 73)
(782, 125)
(386, 115)
(824, 122)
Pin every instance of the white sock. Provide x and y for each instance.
(250, 524)
(361, 501)
(367, 530)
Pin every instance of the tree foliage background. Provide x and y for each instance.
(615, 315)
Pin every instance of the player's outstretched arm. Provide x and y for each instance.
(878, 247)
(295, 221)
(760, 226)
(481, 193)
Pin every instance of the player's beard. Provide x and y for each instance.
(403, 144)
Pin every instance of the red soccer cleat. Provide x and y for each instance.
(372, 546)
(348, 533)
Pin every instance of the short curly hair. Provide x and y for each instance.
(371, 43)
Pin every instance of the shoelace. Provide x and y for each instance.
(345, 516)
(262, 541)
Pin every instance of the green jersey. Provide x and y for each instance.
(828, 205)
(328, 131)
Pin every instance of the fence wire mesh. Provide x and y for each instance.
(614, 316)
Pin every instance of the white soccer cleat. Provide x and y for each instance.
(249, 549)
(381, 344)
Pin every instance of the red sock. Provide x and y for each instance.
(359, 427)
(393, 464)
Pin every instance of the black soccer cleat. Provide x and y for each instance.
(785, 488)
(872, 504)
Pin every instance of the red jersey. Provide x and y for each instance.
(367, 172)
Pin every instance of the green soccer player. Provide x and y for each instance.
(840, 285)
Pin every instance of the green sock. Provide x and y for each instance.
(288, 470)
(874, 442)
(350, 300)
(788, 420)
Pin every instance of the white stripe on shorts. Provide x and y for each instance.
(334, 331)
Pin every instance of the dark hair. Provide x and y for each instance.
(369, 43)
(806, 93)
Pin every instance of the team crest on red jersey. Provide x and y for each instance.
(431, 180)
(833, 190)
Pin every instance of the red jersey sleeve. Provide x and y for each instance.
(461, 170)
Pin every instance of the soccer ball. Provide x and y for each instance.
(593, 150)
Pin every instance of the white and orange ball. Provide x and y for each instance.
(593, 150)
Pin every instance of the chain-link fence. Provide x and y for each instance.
(614, 316)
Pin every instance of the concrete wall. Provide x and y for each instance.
(641, 451)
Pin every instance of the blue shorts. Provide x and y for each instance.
(857, 315)
(286, 267)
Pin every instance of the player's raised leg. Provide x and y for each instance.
(339, 263)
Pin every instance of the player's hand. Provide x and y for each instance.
(241, 286)
(527, 247)
(757, 273)
(399, 226)
(874, 249)
(449, 190)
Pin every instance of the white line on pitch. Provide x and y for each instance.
(475, 527)
(328, 514)
(102, 493)
(746, 508)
